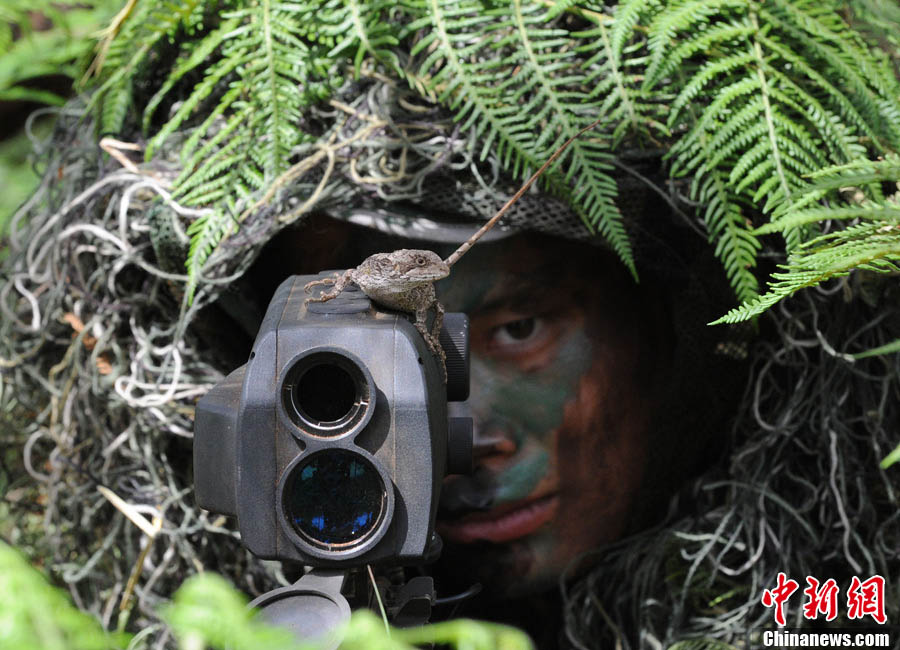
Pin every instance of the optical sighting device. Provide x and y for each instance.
(330, 444)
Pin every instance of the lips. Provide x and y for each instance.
(502, 524)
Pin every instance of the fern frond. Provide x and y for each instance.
(628, 15)
(196, 57)
(127, 52)
(752, 100)
(886, 213)
(871, 246)
(865, 175)
(253, 131)
(205, 232)
(871, 242)
(767, 93)
(202, 91)
(679, 18)
(519, 88)
(877, 21)
(735, 245)
(362, 26)
(616, 75)
(811, 269)
(713, 37)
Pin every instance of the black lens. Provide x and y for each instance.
(325, 393)
(334, 498)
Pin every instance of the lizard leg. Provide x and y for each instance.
(339, 281)
(326, 281)
(438, 321)
(434, 342)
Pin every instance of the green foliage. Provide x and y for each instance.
(522, 91)
(766, 94)
(17, 176)
(871, 242)
(36, 616)
(127, 48)
(750, 98)
(264, 64)
(888, 348)
(893, 457)
(206, 612)
(27, 54)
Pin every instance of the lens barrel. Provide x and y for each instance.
(326, 394)
(334, 499)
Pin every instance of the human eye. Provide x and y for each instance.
(521, 335)
(519, 331)
(526, 340)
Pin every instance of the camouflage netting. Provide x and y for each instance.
(800, 492)
(102, 365)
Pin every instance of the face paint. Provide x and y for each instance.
(521, 479)
(560, 427)
(529, 408)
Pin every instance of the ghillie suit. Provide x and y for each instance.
(107, 341)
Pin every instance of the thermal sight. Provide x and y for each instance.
(331, 442)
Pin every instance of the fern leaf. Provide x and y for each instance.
(871, 246)
(361, 26)
(752, 100)
(203, 90)
(116, 106)
(886, 213)
(205, 233)
(136, 39)
(197, 57)
(521, 101)
(767, 93)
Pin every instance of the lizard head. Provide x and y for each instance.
(418, 265)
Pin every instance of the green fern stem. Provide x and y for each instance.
(607, 216)
(615, 68)
(770, 121)
(272, 70)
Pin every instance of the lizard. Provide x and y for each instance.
(404, 279)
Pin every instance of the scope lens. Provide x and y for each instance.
(335, 498)
(326, 394)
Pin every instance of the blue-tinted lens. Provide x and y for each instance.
(335, 497)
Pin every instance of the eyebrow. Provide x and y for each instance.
(523, 296)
